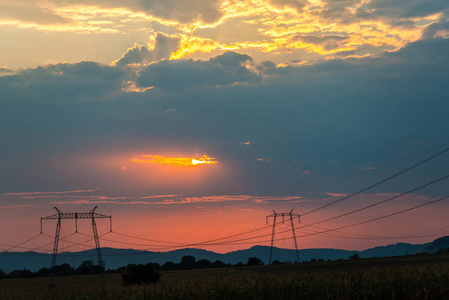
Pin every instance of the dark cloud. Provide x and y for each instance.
(177, 75)
(310, 118)
(163, 48)
(61, 81)
(392, 12)
(5, 71)
(406, 8)
(433, 30)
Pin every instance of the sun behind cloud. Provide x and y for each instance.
(183, 161)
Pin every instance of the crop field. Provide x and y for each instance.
(414, 277)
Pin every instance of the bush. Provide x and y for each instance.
(141, 274)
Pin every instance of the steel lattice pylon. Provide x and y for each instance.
(291, 216)
(88, 215)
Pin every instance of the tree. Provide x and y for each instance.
(64, 269)
(187, 261)
(203, 263)
(169, 265)
(218, 264)
(88, 267)
(141, 274)
(355, 256)
(43, 272)
(254, 261)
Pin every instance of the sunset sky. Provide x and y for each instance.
(188, 121)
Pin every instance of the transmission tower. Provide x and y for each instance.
(89, 215)
(290, 216)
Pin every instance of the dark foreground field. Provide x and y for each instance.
(408, 277)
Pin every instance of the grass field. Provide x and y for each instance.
(408, 277)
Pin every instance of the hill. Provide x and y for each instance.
(116, 258)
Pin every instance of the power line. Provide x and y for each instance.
(380, 218)
(379, 167)
(356, 159)
(360, 157)
(379, 182)
(20, 244)
(381, 202)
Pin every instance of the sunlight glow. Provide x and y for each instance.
(182, 161)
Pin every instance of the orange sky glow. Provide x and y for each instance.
(192, 120)
(183, 161)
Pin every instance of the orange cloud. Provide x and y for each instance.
(190, 45)
(182, 161)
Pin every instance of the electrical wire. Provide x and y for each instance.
(360, 157)
(380, 218)
(379, 167)
(379, 182)
(381, 202)
(20, 244)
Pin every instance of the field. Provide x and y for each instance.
(408, 277)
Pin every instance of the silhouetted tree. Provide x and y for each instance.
(20, 274)
(355, 256)
(219, 264)
(254, 261)
(88, 267)
(203, 263)
(64, 269)
(141, 274)
(169, 265)
(43, 272)
(187, 261)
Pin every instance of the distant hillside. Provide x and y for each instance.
(116, 258)
(440, 243)
(392, 250)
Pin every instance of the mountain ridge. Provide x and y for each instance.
(116, 257)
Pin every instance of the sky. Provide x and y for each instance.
(188, 121)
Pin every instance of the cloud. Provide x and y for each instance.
(5, 71)
(29, 14)
(181, 161)
(180, 200)
(296, 4)
(183, 11)
(59, 122)
(393, 12)
(49, 193)
(62, 81)
(175, 10)
(163, 47)
(406, 8)
(177, 75)
(436, 30)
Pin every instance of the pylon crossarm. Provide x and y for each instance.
(88, 215)
(100, 216)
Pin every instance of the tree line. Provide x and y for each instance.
(88, 267)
